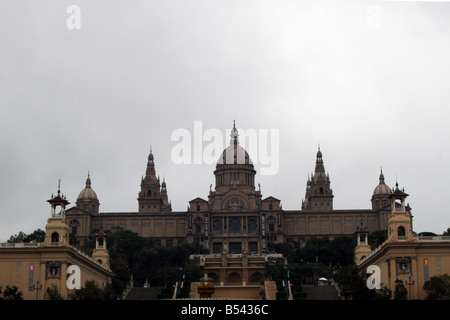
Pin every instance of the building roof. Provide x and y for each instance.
(382, 188)
(234, 153)
(87, 193)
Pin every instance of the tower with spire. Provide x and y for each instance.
(319, 195)
(153, 196)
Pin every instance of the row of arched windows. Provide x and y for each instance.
(233, 178)
(235, 225)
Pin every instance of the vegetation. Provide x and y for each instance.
(352, 284)
(52, 293)
(400, 293)
(438, 288)
(11, 293)
(36, 236)
(337, 252)
(131, 254)
(91, 291)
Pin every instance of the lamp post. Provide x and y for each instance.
(37, 286)
(410, 283)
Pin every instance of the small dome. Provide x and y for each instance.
(87, 193)
(381, 188)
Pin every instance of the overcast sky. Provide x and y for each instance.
(368, 81)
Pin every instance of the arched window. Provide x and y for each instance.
(235, 225)
(55, 238)
(321, 190)
(149, 193)
(401, 232)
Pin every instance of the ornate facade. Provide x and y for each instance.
(234, 218)
(35, 267)
(411, 259)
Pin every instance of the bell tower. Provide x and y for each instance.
(100, 253)
(362, 248)
(400, 218)
(57, 230)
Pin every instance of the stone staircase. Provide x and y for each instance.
(326, 292)
(144, 293)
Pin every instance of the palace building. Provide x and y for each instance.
(234, 217)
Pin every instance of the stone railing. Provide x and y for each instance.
(88, 257)
(419, 238)
(20, 245)
(53, 244)
(433, 238)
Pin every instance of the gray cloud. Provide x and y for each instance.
(97, 98)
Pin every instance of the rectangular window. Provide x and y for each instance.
(217, 247)
(253, 247)
(235, 247)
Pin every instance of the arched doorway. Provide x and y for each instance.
(257, 277)
(234, 277)
(214, 277)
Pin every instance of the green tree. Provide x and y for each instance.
(353, 284)
(11, 293)
(383, 294)
(336, 252)
(438, 287)
(193, 272)
(52, 293)
(36, 236)
(376, 238)
(400, 292)
(446, 233)
(17, 238)
(91, 291)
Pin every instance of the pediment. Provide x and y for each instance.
(198, 199)
(271, 199)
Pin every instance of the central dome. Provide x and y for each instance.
(234, 167)
(234, 153)
(382, 188)
(88, 193)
